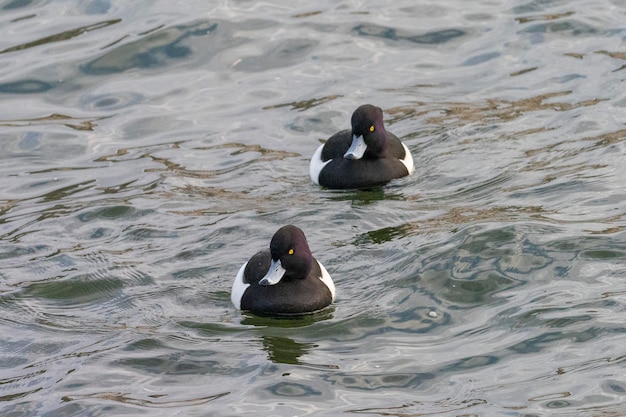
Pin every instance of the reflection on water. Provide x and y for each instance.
(154, 49)
(63, 36)
(285, 350)
(148, 147)
(441, 36)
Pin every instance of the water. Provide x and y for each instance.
(149, 148)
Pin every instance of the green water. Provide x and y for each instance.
(148, 149)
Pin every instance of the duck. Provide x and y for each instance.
(365, 157)
(283, 280)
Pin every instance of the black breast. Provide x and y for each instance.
(361, 173)
(366, 172)
(289, 296)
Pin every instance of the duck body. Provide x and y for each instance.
(365, 156)
(283, 280)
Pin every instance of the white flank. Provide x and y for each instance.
(236, 293)
(327, 280)
(317, 165)
(408, 160)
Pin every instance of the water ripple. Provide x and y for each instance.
(149, 151)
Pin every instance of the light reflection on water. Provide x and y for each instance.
(149, 149)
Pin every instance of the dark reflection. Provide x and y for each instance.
(562, 322)
(436, 37)
(153, 401)
(470, 362)
(558, 404)
(478, 289)
(449, 406)
(288, 321)
(110, 101)
(364, 197)
(154, 50)
(65, 120)
(533, 6)
(304, 104)
(150, 357)
(383, 235)
(482, 58)
(110, 212)
(280, 348)
(25, 87)
(17, 4)
(482, 265)
(84, 289)
(291, 389)
(614, 387)
(602, 254)
(573, 27)
(62, 36)
(285, 350)
(146, 344)
(209, 329)
(383, 380)
(67, 191)
(537, 343)
(16, 396)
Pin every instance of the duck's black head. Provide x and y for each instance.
(368, 133)
(289, 245)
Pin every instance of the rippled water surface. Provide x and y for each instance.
(149, 148)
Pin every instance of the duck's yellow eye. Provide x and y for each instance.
(371, 128)
(290, 251)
